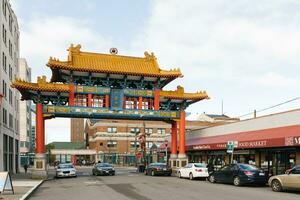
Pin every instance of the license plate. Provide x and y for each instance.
(165, 169)
(261, 174)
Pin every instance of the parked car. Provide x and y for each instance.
(65, 170)
(103, 169)
(288, 181)
(154, 169)
(193, 170)
(239, 174)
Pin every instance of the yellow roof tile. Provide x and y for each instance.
(180, 94)
(110, 63)
(41, 85)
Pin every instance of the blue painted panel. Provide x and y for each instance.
(116, 99)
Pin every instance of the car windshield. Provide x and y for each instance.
(248, 167)
(65, 166)
(200, 165)
(104, 165)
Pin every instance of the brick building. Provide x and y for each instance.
(118, 141)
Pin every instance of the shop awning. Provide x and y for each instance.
(275, 137)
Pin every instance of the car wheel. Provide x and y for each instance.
(237, 181)
(179, 175)
(276, 186)
(152, 173)
(191, 176)
(212, 179)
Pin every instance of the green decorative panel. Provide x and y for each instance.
(92, 89)
(138, 93)
(66, 111)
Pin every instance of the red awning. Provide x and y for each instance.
(274, 137)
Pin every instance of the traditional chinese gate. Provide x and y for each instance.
(92, 85)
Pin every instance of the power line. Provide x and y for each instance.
(264, 109)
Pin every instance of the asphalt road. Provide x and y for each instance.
(129, 185)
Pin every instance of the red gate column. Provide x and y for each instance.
(156, 100)
(107, 101)
(90, 100)
(140, 103)
(71, 94)
(173, 156)
(40, 168)
(182, 135)
(174, 140)
(40, 133)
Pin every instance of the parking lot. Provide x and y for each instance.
(127, 184)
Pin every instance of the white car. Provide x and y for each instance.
(193, 170)
(66, 170)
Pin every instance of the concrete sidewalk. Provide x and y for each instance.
(23, 186)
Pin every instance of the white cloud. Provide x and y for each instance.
(51, 36)
(272, 79)
(230, 50)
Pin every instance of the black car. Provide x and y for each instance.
(239, 174)
(154, 169)
(103, 169)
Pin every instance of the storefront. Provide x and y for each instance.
(275, 149)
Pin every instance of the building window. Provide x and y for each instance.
(4, 90)
(4, 34)
(134, 144)
(81, 100)
(112, 129)
(161, 131)
(148, 130)
(134, 130)
(112, 144)
(101, 144)
(10, 121)
(10, 97)
(4, 5)
(149, 144)
(4, 116)
(10, 72)
(4, 61)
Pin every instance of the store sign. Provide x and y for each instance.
(261, 143)
(292, 141)
(201, 147)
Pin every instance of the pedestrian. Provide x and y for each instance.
(25, 167)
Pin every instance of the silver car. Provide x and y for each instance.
(66, 170)
(290, 180)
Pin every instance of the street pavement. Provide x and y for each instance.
(127, 184)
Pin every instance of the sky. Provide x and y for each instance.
(244, 53)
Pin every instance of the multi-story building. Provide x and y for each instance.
(9, 54)
(118, 141)
(25, 115)
(77, 130)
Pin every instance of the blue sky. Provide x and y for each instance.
(245, 53)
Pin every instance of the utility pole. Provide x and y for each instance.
(145, 149)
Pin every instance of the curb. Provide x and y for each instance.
(29, 193)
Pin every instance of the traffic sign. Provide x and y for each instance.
(231, 145)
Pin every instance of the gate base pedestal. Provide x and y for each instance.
(182, 160)
(40, 170)
(172, 161)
